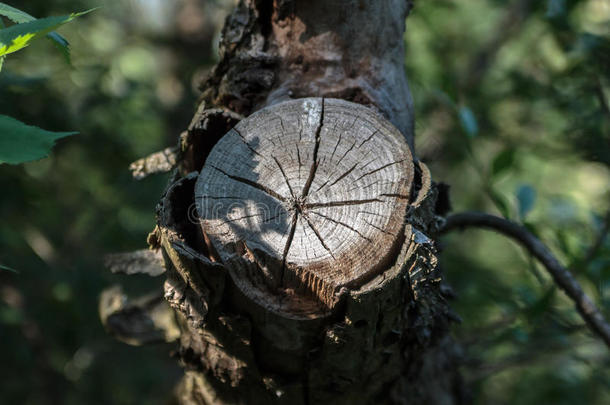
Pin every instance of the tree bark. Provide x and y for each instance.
(260, 320)
(272, 51)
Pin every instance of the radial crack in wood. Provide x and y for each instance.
(319, 187)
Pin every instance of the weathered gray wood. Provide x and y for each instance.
(319, 187)
(259, 322)
(384, 342)
(143, 261)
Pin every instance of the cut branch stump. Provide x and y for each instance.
(303, 199)
(299, 263)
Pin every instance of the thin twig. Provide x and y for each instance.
(562, 276)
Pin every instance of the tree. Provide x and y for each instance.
(236, 351)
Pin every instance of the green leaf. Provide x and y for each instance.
(8, 269)
(502, 161)
(20, 17)
(526, 196)
(62, 44)
(23, 143)
(468, 121)
(14, 14)
(19, 36)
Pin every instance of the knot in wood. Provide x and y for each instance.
(303, 199)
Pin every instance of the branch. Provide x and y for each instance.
(562, 276)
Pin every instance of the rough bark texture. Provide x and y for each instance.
(382, 338)
(272, 51)
(386, 342)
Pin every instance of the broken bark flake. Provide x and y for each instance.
(348, 197)
(143, 261)
(158, 162)
(137, 321)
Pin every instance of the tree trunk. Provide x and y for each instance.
(330, 292)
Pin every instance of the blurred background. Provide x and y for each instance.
(512, 110)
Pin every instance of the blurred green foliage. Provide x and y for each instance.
(129, 93)
(27, 28)
(509, 111)
(512, 111)
(20, 142)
